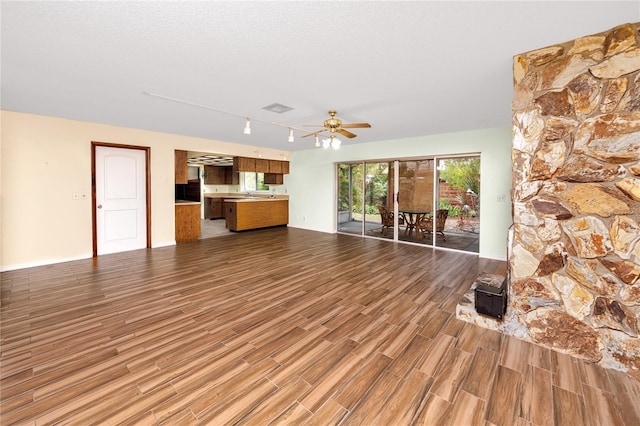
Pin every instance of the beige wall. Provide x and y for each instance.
(45, 160)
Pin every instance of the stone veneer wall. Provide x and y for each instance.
(574, 255)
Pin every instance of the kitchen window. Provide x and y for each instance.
(253, 181)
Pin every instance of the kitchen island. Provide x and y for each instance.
(214, 203)
(253, 213)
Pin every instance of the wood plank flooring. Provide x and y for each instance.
(280, 326)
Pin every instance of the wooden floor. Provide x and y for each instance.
(280, 326)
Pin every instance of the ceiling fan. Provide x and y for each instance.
(335, 125)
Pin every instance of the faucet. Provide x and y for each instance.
(249, 194)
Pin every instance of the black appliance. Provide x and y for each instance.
(181, 191)
(491, 300)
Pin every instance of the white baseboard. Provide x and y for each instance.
(46, 262)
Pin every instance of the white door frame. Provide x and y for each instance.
(93, 188)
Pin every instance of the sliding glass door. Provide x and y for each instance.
(428, 201)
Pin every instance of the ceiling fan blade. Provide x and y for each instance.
(312, 125)
(355, 125)
(314, 133)
(346, 133)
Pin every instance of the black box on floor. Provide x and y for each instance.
(491, 301)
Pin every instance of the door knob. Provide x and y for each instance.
(99, 206)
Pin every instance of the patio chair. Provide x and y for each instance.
(426, 224)
(387, 218)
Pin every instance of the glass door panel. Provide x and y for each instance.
(415, 199)
(350, 200)
(378, 203)
(459, 197)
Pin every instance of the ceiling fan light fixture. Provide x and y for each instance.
(290, 135)
(247, 127)
(317, 142)
(331, 142)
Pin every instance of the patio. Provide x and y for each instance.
(460, 234)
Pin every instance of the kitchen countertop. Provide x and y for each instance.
(230, 196)
(186, 203)
(252, 199)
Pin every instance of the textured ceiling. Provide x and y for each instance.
(408, 68)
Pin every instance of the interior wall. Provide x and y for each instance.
(45, 160)
(311, 184)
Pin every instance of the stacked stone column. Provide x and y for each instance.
(575, 252)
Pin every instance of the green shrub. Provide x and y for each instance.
(444, 203)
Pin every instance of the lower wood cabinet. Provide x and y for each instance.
(213, 208)
(187, 222)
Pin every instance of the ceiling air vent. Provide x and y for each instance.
(277, 108)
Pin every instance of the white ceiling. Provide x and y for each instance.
(408, 68)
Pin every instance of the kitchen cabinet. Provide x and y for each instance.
(262, 165)
(220, 175)
(244, 164)
(275, 166)
(231, 177)
(213, 208)
(187, 225)
(181, 167)
(214, 175)
(273, 179)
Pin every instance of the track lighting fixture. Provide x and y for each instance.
(333, 124)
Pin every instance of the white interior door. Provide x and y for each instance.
(121, 199)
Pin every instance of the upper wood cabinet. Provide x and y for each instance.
(220, 175)
(231, 177)
(214, 175)
(273, 179)
(181, 166)
(244, 164)
(262, 165)
(275, 166)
